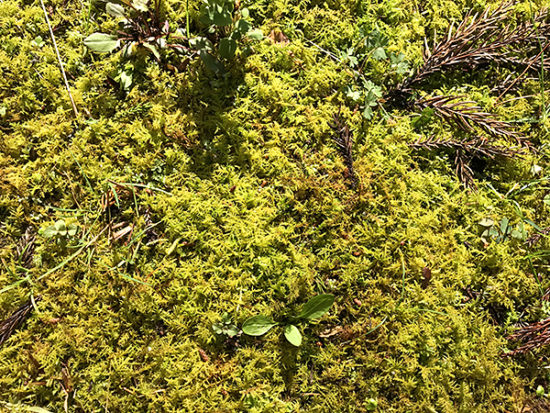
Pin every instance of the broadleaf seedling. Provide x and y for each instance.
(315, 308)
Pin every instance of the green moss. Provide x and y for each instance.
(253, 215)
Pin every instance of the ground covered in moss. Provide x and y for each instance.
(195, 193)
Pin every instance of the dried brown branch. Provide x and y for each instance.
(463, 169)
(25, 248)
(10, 324)
(464, 151)
(467, 115)
(344, 140)
(481, 40)
(531, 337)
(477, 146)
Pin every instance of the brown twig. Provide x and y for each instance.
(531, 337)
(465, 151)
(10, 324)
(467, 115)
(344, 140)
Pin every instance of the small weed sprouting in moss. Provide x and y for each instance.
(60, 231)
(502, 230)
(225, 327)
(313, 309)
(144, 30)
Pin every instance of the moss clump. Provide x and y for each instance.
(230, 195)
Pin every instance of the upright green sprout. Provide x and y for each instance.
(313, 309)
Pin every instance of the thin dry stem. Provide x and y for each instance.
(59, 59)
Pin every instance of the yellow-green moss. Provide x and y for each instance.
(254, 216)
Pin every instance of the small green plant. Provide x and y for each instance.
(141, 30)
(313, 309)
(60, 231)
(226, 28)
(371, 48)
(144, 31)
(372, 404)
(225, 326)
(502, 230)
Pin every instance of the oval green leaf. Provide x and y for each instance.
(101, 42)
(258, 325)
(115, 10)
(255, 34)
(227, 48)
(293, 335)
(317, 306)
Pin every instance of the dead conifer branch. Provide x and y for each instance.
(465, 151)
(477, 146)
(25, 248)
(531, 337)
(10, 324)
(467, 115)
(481, 40)
(344, 140)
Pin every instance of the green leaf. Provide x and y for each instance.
(115, 10)
(201, 43)
(293, 335)
(368, 112)
(60, 225)
(101, 42)
(140, 5)
(242, 26)
(379, 53)
(354, 95)
(486, 222)
(227, 48)
(218, 12)
(49, 232)
(126, 80)
(232, 330)
(258, 325)
(153, 49)
(211, 62)
(38, 41)
(72, 229)
(504, 225)
(24, 408)
(255, 34)
(546, 200)
(317, 306)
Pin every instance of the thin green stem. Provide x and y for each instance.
(187, 19)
